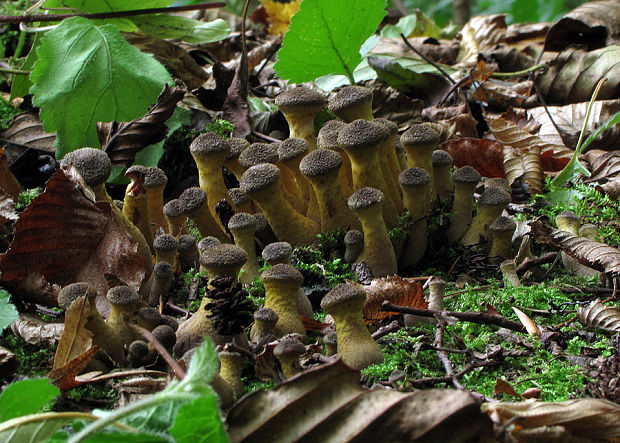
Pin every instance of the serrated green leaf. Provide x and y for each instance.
(26, 397)
(199, 422)
(86, 74)
(38, 427)
(204, 364)
(325, 37)
(21, 83)
(8, 314)
(182, 28)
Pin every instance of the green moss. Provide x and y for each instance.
(26, 197)
(98, 391)
(33, 361)
(223, 127)
(252, 384)
(7, 112)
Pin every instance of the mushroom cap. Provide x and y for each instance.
(320, 162)
(242, 220)
(193, 199)
(207, 243)
(150, 315)
(292, 148)
(223, 256)
(414, 177)
(165, 335)
(70, 293)
(568, 215)
(238, 197)
(353, 237)
(328, 134)
(588, 230)
(362, 134)
(209, 143)
(331, 338)
(349, 97)
(261, 222)
(441, 158)
(494, 197)
(165, 243)
(93, 164)
(389, 124)
(186, 242)
(174, 208)
(343, 293)
(277, 252)
(466, 175)
(258, 153)
(289, 346)
(282, 273)
(155, 178)
(365, 198)
(437, 282)
(259, 177)
(266, 315)
(503, 224)
(497, 182)
(163, 270)
(136, 172)
(226, 354)
(170, 321)
(420, 135)
(300, 99)
(237, 145)
(122, 296)
(138, 349)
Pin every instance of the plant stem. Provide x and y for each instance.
(118, 414)
(104, 15)
(14, 71)
(519, 73)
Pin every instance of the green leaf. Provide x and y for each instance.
(204, 365)
(325, 37)
(8, 314)
(38, 427)
(26, 397)
(21, 83)
(126, 437)
(87, 74)
(199, 422)
(182, 28)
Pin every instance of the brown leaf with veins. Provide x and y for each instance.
(503, 387)
(394, 289)
(482, 154)
(64, 376)
(75, 338)
(35, 331)
(65, 237)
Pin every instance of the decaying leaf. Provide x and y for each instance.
(394, 289)
(587, 419)
(122, 141)
(481, 34)
(599, 315)
(501, 95)
(599, 256)
(593, 24)
(503, 387)
(26, 131)
(328, 404)
(528, 323)
(8, 363)
(7, 208)
(604, 165)
(573, 75)
(64, 376)
(37, 332)
(66, 238)
(8, 182)
(485, 155)
(75, 338)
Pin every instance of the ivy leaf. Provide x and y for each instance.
(325, 37)
(199, 422)
(26, 397)
(93, 75)
(8, 312)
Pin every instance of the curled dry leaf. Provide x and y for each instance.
(573, 75)
(593, 24)
(394, 289)
(65, 376)
(122, 141)
(501, 95)
(26, 131)
(527, 322)
(599, 256)
(586, 419)
(328, 404)
(8, 182)
(75, 338)
(485, 155)
(503, 387)
(604, 165)
(600, 316)
(481, 34)
(65, 237)
(36, 332)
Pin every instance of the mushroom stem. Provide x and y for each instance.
(465, 181)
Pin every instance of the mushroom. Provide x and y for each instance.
(123, 308)
(501, 230)
(491, 204)
(330, 340)
(195, 204)
(568, 221)
(155, 181)
(166, 336)
(241, 201)
(355, 345)
(189, 257)
(352, 103)
(210, 151)
(377, 252)
(354, 243)
(137, 353)
(288, 351)
(231, 366)
(281, 283)
(149, 318)
(419, 141)
(165, 246)
(163, 274)
(328, 139)
(509, 272)
(415, 183)
(243, 228)
(264, 233)
(321, 168)
(465, 181)
(362, 141)
(437, 287)
(135, 205)
(265, 320)
(442, 180)
(290, 153)
(262, 184)
(389, 162)
(174, 211)
(299, 106)
(497, 182)
(237, 145)
(589, 231)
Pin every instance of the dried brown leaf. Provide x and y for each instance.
(7, 208)
(501, 95)
(527, 322)
(482, 154)
(605, 166)
(75, 338)
(600, 316)
(481, 34)
(8, 182)
(311, 324)
(64, 376)
(122, 141)
(503, 387)
(394, 289)
(593, 254)
(37, 332)
(26, 131)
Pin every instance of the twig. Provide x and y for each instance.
(266, 137)
(445, 379)
(427, 60)
(472, 317)
(14, 71)
(443, 355)
(385, 330)
(519, 73)
(103, 15)
(530, 263)
(159, 348)
(236, 348)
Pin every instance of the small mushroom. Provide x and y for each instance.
(509, 272)
(265, 320)
(155, 181)
(231, 366)
(491, 204)
(189, 257)
(502, 230)
(465, 181)
(415, 183)
(354, 244)
(299, 106)
(165, 246)
(442, 179)
(330, 340)
(135, 205)
(174, 211)
(195, 206)
(163, 273)
(123, 308)
(243, 228)
(419, 141)
(328, 139)
(288, 352)
(352, 103)
(237, 145)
